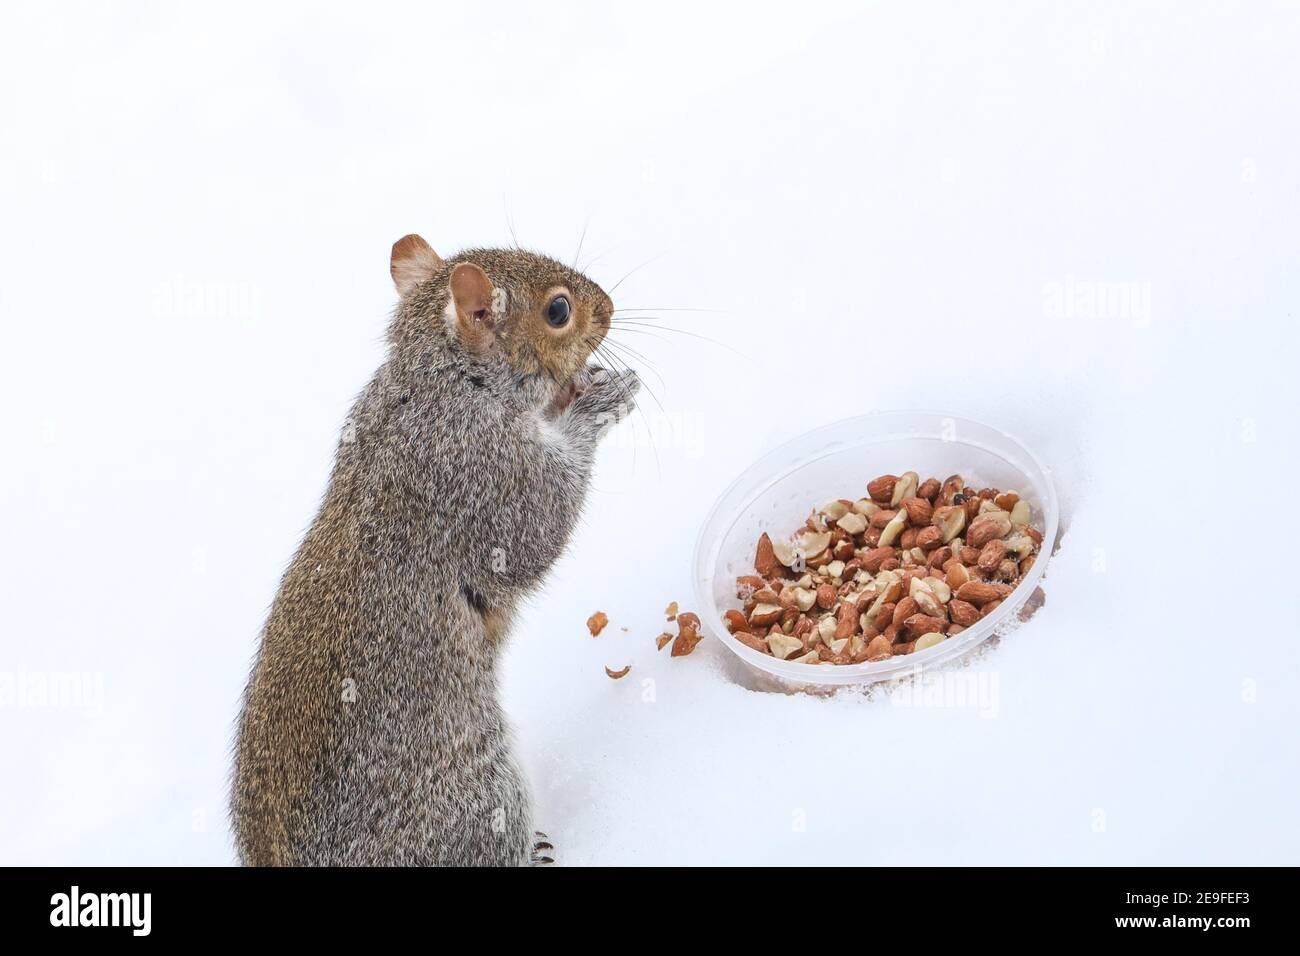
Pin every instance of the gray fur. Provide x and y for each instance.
(371, 731)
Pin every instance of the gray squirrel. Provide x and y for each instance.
(371, 732)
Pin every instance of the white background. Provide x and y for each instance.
(881, 203)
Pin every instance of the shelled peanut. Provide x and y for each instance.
(896, 572)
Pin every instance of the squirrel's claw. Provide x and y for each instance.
(607, 398)
(540, 844)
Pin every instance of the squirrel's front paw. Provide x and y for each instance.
(607, 398)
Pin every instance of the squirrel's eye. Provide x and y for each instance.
(557, 313)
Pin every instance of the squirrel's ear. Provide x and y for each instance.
(471, 293)
(413, 262)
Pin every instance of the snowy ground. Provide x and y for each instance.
(1077, 223)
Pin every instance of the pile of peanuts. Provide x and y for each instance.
(897, 572)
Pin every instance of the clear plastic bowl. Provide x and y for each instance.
(778, 491)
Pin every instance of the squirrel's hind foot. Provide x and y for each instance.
(542, 850)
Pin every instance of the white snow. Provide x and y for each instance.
(1077, 223)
